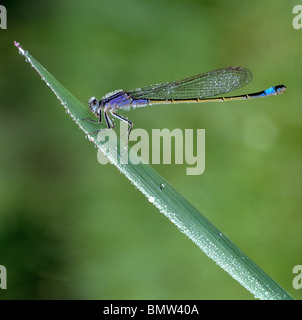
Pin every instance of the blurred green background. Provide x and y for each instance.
(71, 228)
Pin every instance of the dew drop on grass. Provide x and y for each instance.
(151, 199)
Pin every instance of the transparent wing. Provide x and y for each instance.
(201, 86)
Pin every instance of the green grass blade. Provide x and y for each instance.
(172, 204)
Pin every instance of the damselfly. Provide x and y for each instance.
(203, 87)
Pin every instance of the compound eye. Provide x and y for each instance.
(92, 102)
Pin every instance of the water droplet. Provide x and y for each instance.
(151, 199)
(161, 186)
(219, 235)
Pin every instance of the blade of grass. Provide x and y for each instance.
(171, 203)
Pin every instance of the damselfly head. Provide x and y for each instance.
(93, 104)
